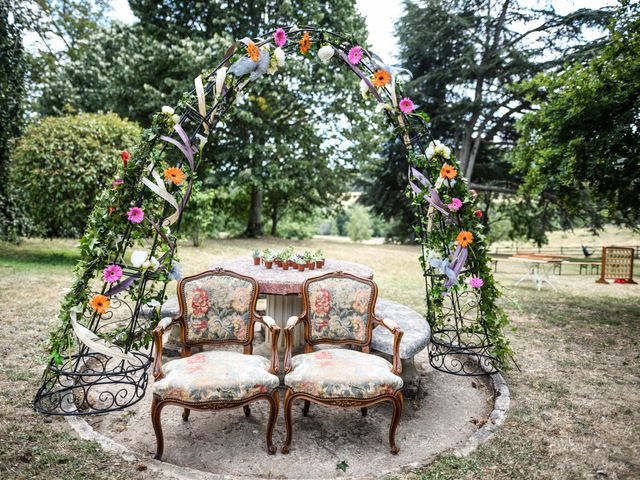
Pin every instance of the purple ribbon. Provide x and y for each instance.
(457, 265)
(185, 147)
(432, 197)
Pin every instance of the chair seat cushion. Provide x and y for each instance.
(341, 373)
(215, 376)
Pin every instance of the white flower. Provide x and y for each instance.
(325, 53)
(168, 110)
(175, 118)
(438, 148)
(364, 89)
(221, 75)
(151, 263)
(153, 303)
(279, 54)
(138, 257)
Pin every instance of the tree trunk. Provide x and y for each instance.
(254, 227)
(274, 219)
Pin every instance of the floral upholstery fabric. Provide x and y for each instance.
(339, 309)
(217, 307)
(339, 373)
(215, 376)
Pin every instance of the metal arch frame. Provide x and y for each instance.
(72, 382)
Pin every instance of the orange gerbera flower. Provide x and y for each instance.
(174, 175)
(381, 78)
(305, 43)
(253, 51)
(447, 171)
(100, 303)
(464, 238)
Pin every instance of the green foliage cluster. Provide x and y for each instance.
(358, 225)
(12, 90)
(579, 151)
(60, 163)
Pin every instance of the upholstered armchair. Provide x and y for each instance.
(217, 308)
(339, 311)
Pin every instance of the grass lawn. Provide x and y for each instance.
(575, 399)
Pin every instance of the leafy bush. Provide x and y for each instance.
(358, 225)
(60, 163)
(296, 230)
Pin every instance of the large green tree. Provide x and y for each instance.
(299, 135)
(465, 66)
(579, 150)
(12, 90)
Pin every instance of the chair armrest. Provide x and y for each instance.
(275, 333)
(158, 332)
(288, 338)
(397, 337)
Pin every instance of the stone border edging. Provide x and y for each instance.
(501, 402)
(497, 417)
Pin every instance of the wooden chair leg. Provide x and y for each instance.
(185, 414)
(274, 406)
(157, 427)
(305, 408)
(247, 410)
(288, 404)
(364, 411)
(395, 419)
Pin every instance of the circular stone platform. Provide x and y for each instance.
(450, 414)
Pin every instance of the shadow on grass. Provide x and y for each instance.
(40, 256)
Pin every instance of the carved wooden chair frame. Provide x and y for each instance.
(272, 397)
(396, 398)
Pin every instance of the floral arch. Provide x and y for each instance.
(98, 349)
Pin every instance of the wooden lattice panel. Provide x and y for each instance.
(617, 262)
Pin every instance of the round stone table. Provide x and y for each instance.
(283, 287)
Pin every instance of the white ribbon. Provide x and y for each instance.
(97, 344)
(159, 189)
(202, 106)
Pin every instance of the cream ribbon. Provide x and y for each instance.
(97, 344)
(159, 189)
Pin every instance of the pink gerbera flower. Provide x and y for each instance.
(116, 182)
(135, 215)
(475, 282)
(406, 105)
(280, 37)
(355, 55)
(455, 205)
(112, 273)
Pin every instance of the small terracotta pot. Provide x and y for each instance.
(319, 263)
(278, 262)
(301, 267)
(285, 265)
(268, 264)
(311, 265)
(256, 260)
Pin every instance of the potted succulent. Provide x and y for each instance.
(256, 256)
(277, 258)
(319, 257)
(308, 257)
(267, 258)
(301, 263)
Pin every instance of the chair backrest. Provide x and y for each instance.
(217, 307)
(338, 308)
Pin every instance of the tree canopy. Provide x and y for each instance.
(465, 68)
(579, 149)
